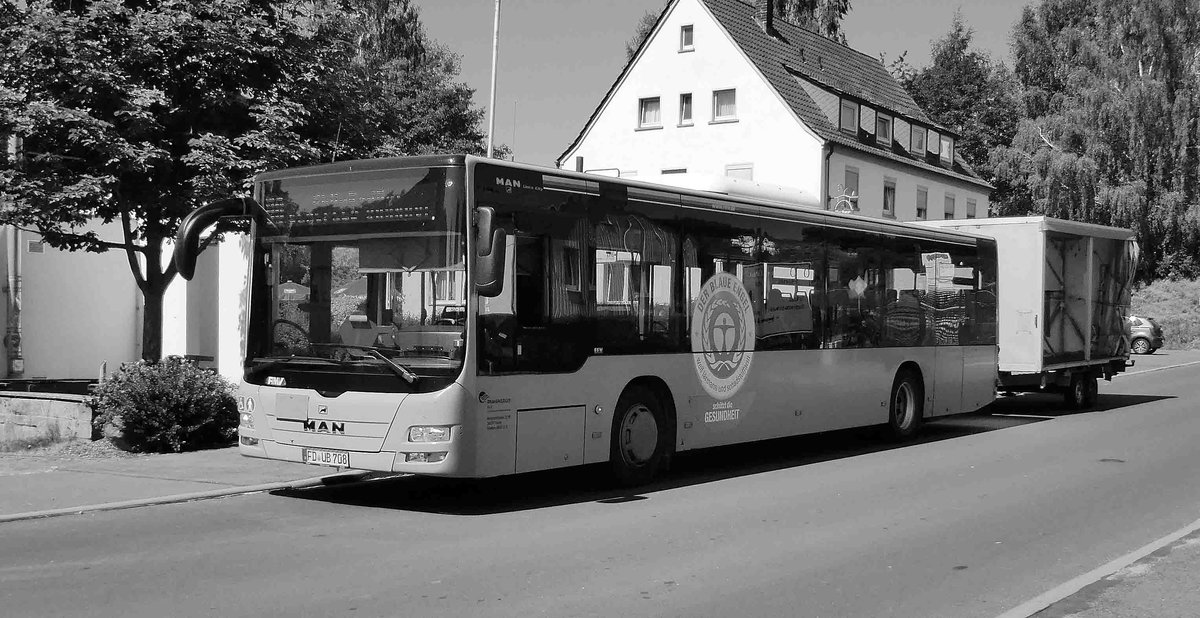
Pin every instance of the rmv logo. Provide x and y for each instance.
(325, 427)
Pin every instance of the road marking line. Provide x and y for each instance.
(1050, 597)
(1038, 416)
(1134, 373)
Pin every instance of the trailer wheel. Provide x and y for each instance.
(907, 404)
(1092, 391)
(1077, 395)
(640, 437)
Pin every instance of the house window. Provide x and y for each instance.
(675, 170)
(889, 197)
(847, 198)
(922, 203)
(649, 113)
(866, 119)
(685, 109)
(918, 140)
(724, 105)
(934, 141)
(849, 116)
(883, 130)
(970, 209)
(949, 205)
(744, 171)
(947, 150)
(685, 38)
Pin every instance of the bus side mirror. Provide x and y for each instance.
(187, 240)
(489, 255)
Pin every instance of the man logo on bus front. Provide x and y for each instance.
(723, 335)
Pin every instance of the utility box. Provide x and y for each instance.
(1064, 292)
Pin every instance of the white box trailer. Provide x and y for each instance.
(1063, 296)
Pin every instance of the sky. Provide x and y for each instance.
(558, 58)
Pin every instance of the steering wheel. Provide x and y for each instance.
(290, 343)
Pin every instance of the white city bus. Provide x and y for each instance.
(460, 316)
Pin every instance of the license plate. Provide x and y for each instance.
(337, 459)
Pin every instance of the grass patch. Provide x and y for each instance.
(53, 435)
(1175, 305)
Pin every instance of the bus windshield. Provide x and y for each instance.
(354, 301)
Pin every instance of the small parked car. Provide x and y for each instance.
(1145, 335)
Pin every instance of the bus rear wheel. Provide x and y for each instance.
(640, 437)
(907, 405)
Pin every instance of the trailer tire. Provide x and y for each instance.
(641, 440)
(1092, 391)
(1077, 395)
(906, 405)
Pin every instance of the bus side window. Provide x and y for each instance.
(856, 290)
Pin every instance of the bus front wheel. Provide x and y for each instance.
(907, 403)
(640, 437)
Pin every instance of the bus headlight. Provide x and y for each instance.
(429, 433)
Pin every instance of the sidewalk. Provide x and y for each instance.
(39, 485)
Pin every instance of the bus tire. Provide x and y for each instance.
(641, 440)
(906, 405)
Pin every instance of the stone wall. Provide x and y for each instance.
(43, 417)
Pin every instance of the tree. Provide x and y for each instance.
(1112, 93)
(965, 91)
(972, 95)
(823, 17)
(640, 33)
(138, 111)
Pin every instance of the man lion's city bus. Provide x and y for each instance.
(467, 317)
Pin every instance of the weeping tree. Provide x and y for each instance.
(1110, 135)
(136, 112)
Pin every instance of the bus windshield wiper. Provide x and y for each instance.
(399, 369)
(275, 362)
(396, 368)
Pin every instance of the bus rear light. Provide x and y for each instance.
(424, 457)
(429, 433)
(248, 441)
(247, 420)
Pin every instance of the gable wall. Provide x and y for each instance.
(766, 134)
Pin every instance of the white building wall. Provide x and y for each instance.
(874, 171)
(767, 133)
(78, 309)
(234, 305)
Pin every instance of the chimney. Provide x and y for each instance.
(764, 13)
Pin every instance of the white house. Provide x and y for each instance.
(720, 87)
(81, 313)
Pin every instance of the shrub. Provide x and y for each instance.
(167, 406)
(1175, 305)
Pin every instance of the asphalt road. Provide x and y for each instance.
(985, 512)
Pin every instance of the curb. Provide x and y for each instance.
(1134, 373)
(315, 481)
(1069, 588)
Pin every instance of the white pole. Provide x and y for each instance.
(492, 105)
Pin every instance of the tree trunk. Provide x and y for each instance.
(152, 322)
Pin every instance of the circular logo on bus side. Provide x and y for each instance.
(722, 335)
